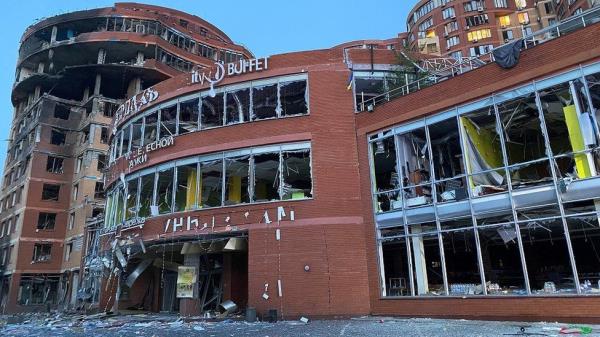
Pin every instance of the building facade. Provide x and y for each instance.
(347, 181)
(73, 72)
(458, 29)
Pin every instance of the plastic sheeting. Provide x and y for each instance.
(508, 55)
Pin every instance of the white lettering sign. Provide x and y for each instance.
(140, 155)
(134, 105)
(232, 69)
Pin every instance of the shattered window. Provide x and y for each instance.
(211, 183)
(54, 164)
(188, 116)
(236, 180)
(136, 134)
(367, 88)
(264, 101)
(104, 135)
(386, 175)
(413, 157)
(131, 204)
(46, 221)
(119, 200)
(41, 252)
(296, 170)
(126, 138)
(37, 289)
(238, 106)
(212, 111)
(61, 111)
(187, 183)
(50, 192)
(164, 190)
(293, 98)
(57, 137)
(266, 177)
(150, 129)
(168, 121)
(146, 192)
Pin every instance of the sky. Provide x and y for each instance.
(265, 27)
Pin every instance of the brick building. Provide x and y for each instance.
(346, 181)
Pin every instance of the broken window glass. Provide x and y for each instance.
(99, 190)
(50, 192)
(367, 88)
(57, 137)
(101, 162)
(384, 164)
(293, 96)
(237, 108)
(37, 289)
(461, 263)
(188, 116)
(136, 134)
(168, 121)
(187, 183)
(296, 171)
(131, 196)
(547, 256)
(584, 229)
(104, 135)
(396, 267)
(413, 156)
(54, 164)
(150, 129)
(426, 261)
(46, 221)
(237, 171)
(41, 252)
(447, 153)
(146, 192)
(126, 139)
(266, 177)
(211, 183)
(387, 201)
(212, 111)
(502, 260)
(164, 190)
(264, 101)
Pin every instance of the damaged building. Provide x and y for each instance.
(357, 179)
(73, 72)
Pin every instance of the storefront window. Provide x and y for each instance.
(237, 108)
(132, 194)
(297, 181)
(460, 254)
(187, 184)
(212, 111)
(237, 170)
(168, 121)
(293, 97)
(188, 116)
(146, 194)
(266, 177)
(264, 101)
(150, 128)
(211, 183)
(164, 190)
(136, 134)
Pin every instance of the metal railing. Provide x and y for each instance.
(466, 64)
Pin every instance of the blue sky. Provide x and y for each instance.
(265, 27)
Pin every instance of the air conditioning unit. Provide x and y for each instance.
(480, 9)
(467, 27)
(506, 40)
(448, 48)
(475, 41)
(445, 34)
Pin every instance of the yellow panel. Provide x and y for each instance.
(235, 189)
(190, 197)
(577, 143)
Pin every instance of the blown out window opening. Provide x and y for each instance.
(501, 198)
(239, 103)
(256, 175)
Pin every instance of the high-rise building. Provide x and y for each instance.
(73, 72)
(457, 29)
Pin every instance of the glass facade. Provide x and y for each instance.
(261, 174)
(498, 197)
(240, 103)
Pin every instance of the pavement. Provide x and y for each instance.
(156, 325)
